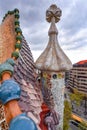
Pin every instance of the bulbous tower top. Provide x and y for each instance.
(53, 12)
(53, 58)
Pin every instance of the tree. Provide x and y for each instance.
(67, 114)
(83, 126)
(76, 96)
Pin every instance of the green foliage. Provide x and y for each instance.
(76, 96)
(67, 115)
(83, 126)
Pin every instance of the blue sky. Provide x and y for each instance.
(72, 27)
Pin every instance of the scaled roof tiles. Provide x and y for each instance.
(30, 101)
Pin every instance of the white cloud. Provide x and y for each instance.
(77, 55)
(36, 54)
(72, 26)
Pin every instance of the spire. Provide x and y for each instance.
(53, 15)
(53, 58)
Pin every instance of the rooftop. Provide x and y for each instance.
(82, 63)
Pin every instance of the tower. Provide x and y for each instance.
(53, 63)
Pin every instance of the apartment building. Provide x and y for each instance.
(77, 77)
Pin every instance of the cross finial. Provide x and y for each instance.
(53, 12)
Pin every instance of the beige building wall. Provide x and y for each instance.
(78, 79)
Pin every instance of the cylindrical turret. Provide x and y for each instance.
(53, 63)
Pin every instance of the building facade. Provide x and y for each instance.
(77, 78)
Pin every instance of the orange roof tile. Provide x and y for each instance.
(82, 62)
